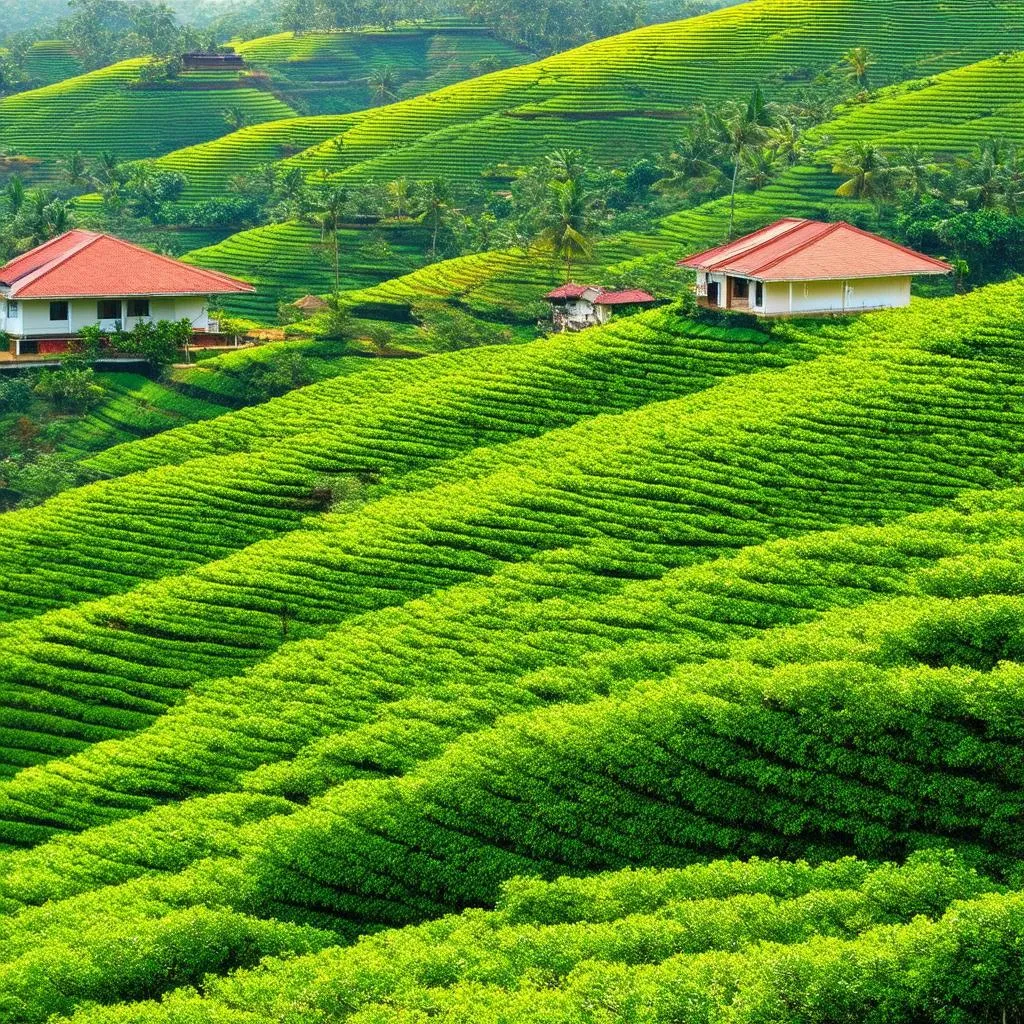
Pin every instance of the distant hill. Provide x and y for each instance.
(113, 110)
(624, 97)
(329, 72)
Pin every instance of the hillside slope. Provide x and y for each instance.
(648, 595)
(110, 110)
(622, 98)
(329, 72)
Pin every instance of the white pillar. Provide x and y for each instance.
(791, 296)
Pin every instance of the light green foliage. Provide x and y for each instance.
(109, 111)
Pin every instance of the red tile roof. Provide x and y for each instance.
(603, 297)
(793, 249)
(625, 297)
(85, 264)
(571, 291)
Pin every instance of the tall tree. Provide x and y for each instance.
(566, 232)
(867, 172)
(747, 127)
(859, 60)
(436, 199)
(383, 85)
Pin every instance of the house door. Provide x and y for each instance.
(712, 293)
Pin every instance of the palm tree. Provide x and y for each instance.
(15, 194)
(235, 117)
(383, 83)
(913, 167)
(333, 205)
(858, 61)
(566, 165)
(694, 156)
(436, 199)
(400, 194)
(106, 170)
(74, 170)
(760, 166)
(747, 127)
(568, 222)
(784, 139)
(867, 172)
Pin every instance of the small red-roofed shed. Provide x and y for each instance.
(576, 306)
(803, 267)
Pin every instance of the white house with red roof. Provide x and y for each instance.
(82, 278)
(575, 306)
(798, 267)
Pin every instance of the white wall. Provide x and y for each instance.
(836, 296)
(34, 315)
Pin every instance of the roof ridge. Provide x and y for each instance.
(41, 271)
(816, 237)
(793, 225)
(168, 259)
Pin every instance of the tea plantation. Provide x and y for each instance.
(672, 670)
(657, 593)
(629, 104)
(112, 110)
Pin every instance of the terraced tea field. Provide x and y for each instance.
(327, 72)
(628, 103)
(640, 620)
(103, 111)
(49, 61)
(618, 97)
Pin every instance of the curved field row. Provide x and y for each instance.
(671, 484)
(104, 111)
(326, 72)
(615, 90)
(51, 60)
(666, 940)
(816, 759)
(286, 261)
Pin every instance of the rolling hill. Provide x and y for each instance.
(328, 72)
(91, 113)
(351, 659)
(624, 97)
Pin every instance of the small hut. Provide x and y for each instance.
(310, 304)
(576, 306)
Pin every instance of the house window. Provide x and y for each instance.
(138, 307)
(58, 311)
(12, 308)
(759, 293)
(740, 288)
(108, 309)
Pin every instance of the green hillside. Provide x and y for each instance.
(49, 61)
(112, 110)
(328, 72)
(706, 940)
(621, 97)
(624, 97)
(529, 605)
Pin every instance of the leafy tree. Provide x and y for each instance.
(72, 388)
(383, 85)
(859, 60)
(744, 129)
(436, 199)
(867, 172)
(235, 117)
(400, 198)
(74, 170)
(568, 221)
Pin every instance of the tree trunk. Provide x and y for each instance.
(732, 197)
